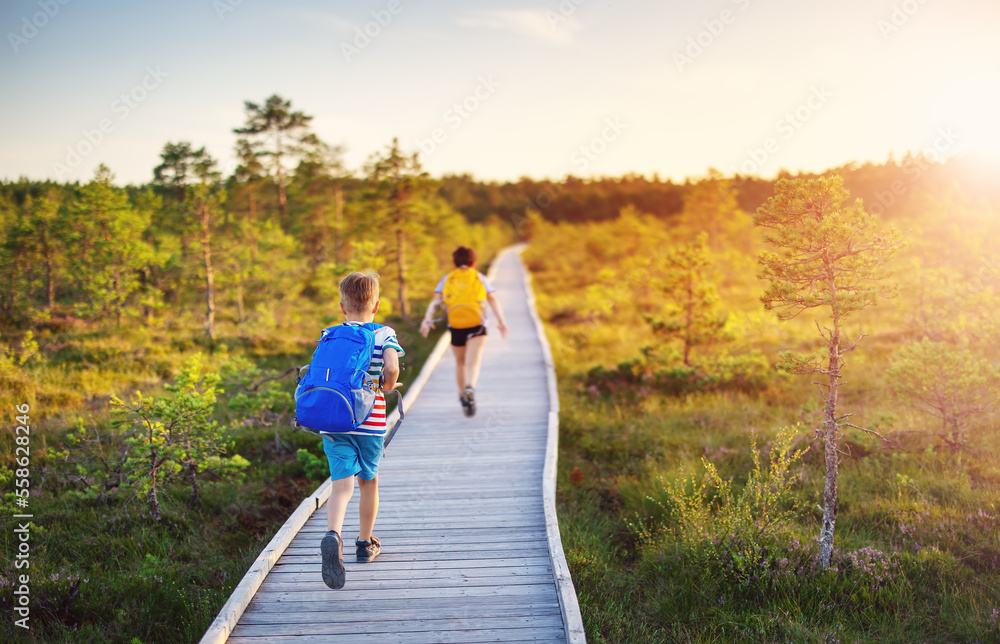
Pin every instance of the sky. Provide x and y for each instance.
(503, 90)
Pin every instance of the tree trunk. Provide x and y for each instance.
(147, 310)
(239, 297)
(404, 305)
(118, 298)
(830, 435)
(323, 236)
(282, 200)
(251, 187)
(50, 285)
(338, 209)
(253, 221)
(209, 275)
(687, 323)
(193, 476)
(154, 503)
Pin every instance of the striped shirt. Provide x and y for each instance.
(385, 338)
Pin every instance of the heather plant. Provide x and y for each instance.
(716, 523)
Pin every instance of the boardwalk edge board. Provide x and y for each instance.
(222, 626)
(568, 603)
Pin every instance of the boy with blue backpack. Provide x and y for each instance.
(341, 396)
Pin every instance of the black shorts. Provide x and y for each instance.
(460, 336)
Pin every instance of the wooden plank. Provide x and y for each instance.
(394, 606)
(404, 538)
(367, 572)
(420, 564)
(400, 626)
(272, 584)
(432, 548)
(426, 637)
(396, 613)
(393, 557)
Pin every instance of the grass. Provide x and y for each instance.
(932, 513)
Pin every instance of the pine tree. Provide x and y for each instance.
(45, 227)
(190, 178)
(107, 233)
(176, 437)
(683, 275)
(396, 182)
(710, 206)
(829, 257)
(319, 174)
(276, 133)
(949, 384)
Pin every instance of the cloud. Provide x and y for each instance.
(540, 25)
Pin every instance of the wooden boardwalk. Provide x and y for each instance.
(470, 545)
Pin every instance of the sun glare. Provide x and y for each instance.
(970, 109)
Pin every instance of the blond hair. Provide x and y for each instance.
(359, 292)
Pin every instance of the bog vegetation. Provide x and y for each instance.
(712, 493)
(152, 330)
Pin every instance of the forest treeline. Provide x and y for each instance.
(233, 250)
(290, 219)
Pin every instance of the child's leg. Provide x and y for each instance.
(368, 507)
(474, 359)
(459, 366)
(336, 505)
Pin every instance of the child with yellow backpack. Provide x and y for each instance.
(464, 293)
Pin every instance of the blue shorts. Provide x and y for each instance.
(353, 454)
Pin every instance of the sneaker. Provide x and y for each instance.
(332, 548)
(368, 550)
(470, 401)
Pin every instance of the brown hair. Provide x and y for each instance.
(464, 256)
(359, 292)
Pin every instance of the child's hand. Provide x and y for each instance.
(504, 331)
(425, 327)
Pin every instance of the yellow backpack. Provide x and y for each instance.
(463, 292)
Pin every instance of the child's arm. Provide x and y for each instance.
(495, 305)
(390, 369)
(427, 325)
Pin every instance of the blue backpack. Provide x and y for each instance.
(336, 393)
